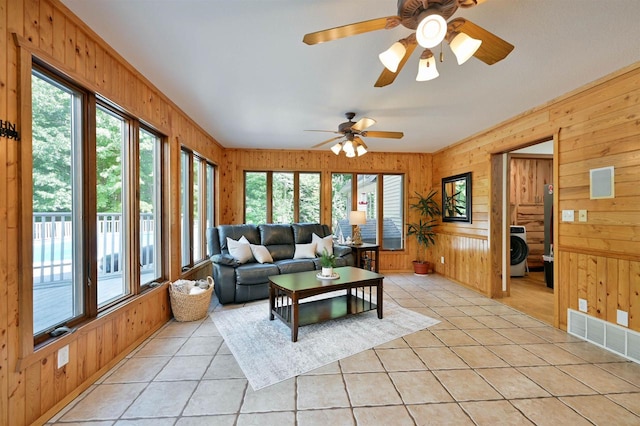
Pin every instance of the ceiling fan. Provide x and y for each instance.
(351, 133)
(428, 19)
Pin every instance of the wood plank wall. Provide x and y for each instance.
(596, 126)
(415, 167)
(32, 388)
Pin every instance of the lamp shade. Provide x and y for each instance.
(464, 47)
(431, 30)
(357, 218)
(391, 57)
(337, 148)
(361, 150)
(427, 69)
(349, 149)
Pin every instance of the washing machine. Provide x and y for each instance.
(519, 251)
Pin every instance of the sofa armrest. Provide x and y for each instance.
(224, 259)
(224, 277)
(341, 250)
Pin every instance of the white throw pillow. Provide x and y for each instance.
(240, 250)
(322, 243)
(305, 251)
(261, 253)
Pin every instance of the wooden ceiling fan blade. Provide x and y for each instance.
(492, 49)
(351, 30)
(363, 123)
(380, 134)
(326, 142)
(387, 77)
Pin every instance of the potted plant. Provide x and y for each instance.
(328, 262)
(424, 230)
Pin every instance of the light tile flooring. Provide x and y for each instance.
(484, 364)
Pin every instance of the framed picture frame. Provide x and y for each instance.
(456, 198)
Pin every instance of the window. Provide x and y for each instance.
(88, 251)
(197, 179)
(281, 197)
(150, 206)
(380, 196)
(57, 199)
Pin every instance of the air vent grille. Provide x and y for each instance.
(613, 337)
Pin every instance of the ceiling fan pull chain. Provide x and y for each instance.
(441, 54)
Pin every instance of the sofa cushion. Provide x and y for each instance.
(289, 266)
(274, 233)
(240, 250)
(302, 231)
(322, 243)
(261, 254)
(250, 232)
(305, 251)
(255, 273)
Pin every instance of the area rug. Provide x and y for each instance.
(264, 350)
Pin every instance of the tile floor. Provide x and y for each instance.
(484, 364)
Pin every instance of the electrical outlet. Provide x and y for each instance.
(623, 318)
(441, 259)
(63, 356)
(582, 305)
(582, 215)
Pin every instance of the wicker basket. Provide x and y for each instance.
(189, 307)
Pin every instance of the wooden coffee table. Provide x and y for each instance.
(362, 292)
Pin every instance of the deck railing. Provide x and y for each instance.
(53, 244)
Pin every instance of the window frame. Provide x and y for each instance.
(379, 208)
(87, 241)
(269, 192)
(187, 199)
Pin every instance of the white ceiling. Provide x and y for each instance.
(239, 67)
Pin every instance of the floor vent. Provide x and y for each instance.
(617, 339)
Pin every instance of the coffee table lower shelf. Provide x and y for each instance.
(324, 309)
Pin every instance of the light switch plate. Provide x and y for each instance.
(582, 215)
(567, 215)
(63, 356)
(441, 259)
(623, 318)
(582, 305)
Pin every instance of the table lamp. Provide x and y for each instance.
(357, 218)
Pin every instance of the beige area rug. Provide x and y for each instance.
(264, 350)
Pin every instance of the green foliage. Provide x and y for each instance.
(424, 230)
(327, 260)
(255, 199)
(51, 147)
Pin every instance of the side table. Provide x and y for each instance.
(366, 256)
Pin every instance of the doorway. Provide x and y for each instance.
(527, 213)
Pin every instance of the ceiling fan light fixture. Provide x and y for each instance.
(431, 30)
(427, 69)
(464, 47)
(337, 148)
(349, 149)
(391, 57)
(361, 150)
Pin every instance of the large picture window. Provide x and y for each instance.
(281, 197)
(90, 160)
(380, 196)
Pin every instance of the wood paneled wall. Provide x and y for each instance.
(32, 387)
(594, 126)
(416, 169)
